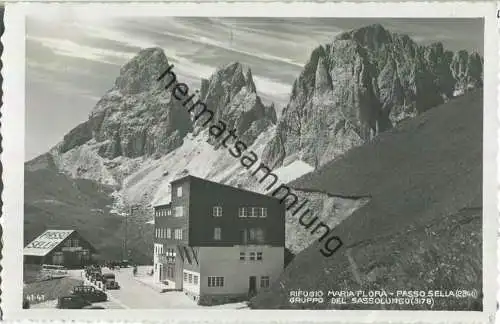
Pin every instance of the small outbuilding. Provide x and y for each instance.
(59, 247)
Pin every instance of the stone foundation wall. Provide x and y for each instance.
(211, 300)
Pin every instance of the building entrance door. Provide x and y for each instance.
(252, 286)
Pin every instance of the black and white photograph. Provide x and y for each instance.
(238, 163)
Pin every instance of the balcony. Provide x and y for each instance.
(163, 258)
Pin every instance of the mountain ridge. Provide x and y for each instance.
(138, 139)
(421, 228)
(362, 83)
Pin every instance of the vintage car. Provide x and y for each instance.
(72, 302)
(90, 293)
(112, 285)
(108, 279)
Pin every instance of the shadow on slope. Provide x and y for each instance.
(421, 230)
(54, 201)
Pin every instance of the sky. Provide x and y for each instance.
(72, 60)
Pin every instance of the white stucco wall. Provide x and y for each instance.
(225, 262)
(191, 287)
(156, 261)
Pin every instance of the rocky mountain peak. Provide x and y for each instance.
(371, 36)
(364, 82)
(142, 71)
(232, 95)
(249, 81)
(137, 117)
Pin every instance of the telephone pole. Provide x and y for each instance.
(125, 253)
(126, 233)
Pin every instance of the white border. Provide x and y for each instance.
(13, 157)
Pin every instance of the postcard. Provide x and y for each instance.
(249, 162)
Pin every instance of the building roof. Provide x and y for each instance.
(167, 199)
(251, 192)
(46, 242)
(164, 203)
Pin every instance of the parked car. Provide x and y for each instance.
(90, 293)
(112, 285)
(108, 279)
(95, 277)
(124, 264)
(72, 302)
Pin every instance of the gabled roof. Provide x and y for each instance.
(46, 242)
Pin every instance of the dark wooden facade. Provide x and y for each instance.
(197, 222)
(73, 252)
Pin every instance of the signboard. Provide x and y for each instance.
(44, 243)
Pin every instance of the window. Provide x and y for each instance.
(190, 278)
(169, 233)
(179, 211)
(252, 234)
(253, 211)
(178, 234)
(243, 212)
(217, 211)
(242, 256)
(169, 212)
(244, 236)
(252, 256)
(216, 281)
(259, 235)
(185, 276)
(259, 256)
(75, 243)
(179, 191)
(217, 233)
(256, 235)
(264, 282)
(263, 212)
(195, 280)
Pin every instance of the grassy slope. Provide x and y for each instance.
(50, 289)
(55, 201)
(422, 228)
